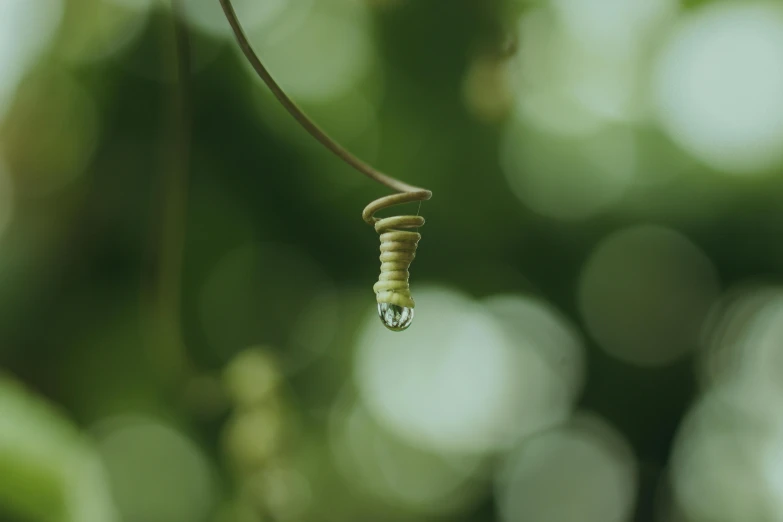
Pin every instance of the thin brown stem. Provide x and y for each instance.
(301, 117)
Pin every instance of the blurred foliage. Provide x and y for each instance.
(194, 325)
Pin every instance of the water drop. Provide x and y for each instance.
(395, 318)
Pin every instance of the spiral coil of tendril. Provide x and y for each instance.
(398, 247)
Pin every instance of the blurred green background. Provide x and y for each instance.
(188, 329)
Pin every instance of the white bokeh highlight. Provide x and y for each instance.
(550, 355)
(726, 463)
(743, 349)
(569, 178)
(317, 54)
(717, 86)
(448, 385)
(538, 79)
(727, 460)
(470, 377)
(377, 463)
(582, 65)
(582, 472)
(613, 26)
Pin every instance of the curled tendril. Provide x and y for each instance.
(398, 247)
(398, 244)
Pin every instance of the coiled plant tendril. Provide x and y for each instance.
(398, 242)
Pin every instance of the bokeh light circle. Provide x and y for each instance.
(374, 461)
(744, 347)
(284, 492)
(251, 377)
(472, 376)
(326, 52)
(485, 88)
(549, 353)
(26, 29)
(582, 65)
(251, 438)
(449, 384)
(51, 471)
(726, 465)
(537, 79)
(613, 26)
(717, 85)
(569, 178)
(582, 472)
(644, 294)
(51, 132)
(155, 472)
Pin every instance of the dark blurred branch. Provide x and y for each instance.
(169, 351)
(302, 118)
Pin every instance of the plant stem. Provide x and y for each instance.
(302, 118)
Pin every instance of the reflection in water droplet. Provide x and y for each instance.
(395, 318)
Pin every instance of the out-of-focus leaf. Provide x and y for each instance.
(48, 470)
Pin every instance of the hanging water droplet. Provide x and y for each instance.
(395, 318)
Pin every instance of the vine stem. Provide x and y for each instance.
(299, 115)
